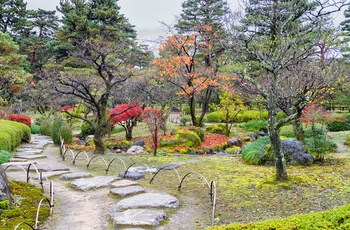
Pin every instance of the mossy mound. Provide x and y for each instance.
(12, 134)
(181, 141)
(26, 200)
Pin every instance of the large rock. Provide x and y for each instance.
(136, 218)
(139, 143)
(294, 153)
(86, 184)
(136, 150)
(5, 189)
(234, 142)
(147, 200)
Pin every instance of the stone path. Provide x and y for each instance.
(85, 199)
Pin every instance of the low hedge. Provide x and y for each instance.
(218, 116)
(338, 218)
(12, 134)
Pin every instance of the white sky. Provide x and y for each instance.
(145, 15)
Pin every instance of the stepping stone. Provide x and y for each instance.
(132, 175)
(71, 176)
(127, 191)
(28, 150)
(86, 184)
(48, 174)
(31, 157)
(142, 170)
(138, 218)
(170, 166)
(15, 159)
(49, 168)
(148, 200)
(17, 165)
(123, 183)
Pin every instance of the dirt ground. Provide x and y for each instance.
(78, 210)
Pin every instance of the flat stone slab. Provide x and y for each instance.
(71, 176)
(31, 157)
(48, 174)
(142, 170)
(148, 200)
(49, 168)
(86, 184)
(28, 151)
(132, 175)
(127, 191)
(15, 159)
(138, 218)
(17, 165)
(123, 183)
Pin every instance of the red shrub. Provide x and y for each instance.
(21, 118)
(66, 108)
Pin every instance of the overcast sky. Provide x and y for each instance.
(145, 15)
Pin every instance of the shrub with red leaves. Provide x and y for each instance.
(21, 118)
(66, 108)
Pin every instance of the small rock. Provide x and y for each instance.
(136, 150)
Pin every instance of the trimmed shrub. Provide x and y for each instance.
(184, 120)
(217, 116)
(338, 218)
(216, 129)
(5, 156)
(347, 142)
(186, 110)
(46, 127)
(251, 152)
(338, 126)
(21, 119)
(182, 141)
(12, 134)
(87, 129)
(254, 126)
(61, 129)
(199, 132)
(35, 129)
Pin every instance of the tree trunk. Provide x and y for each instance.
(99, 145)
(275, 141)
(155, 138)
(128, 133)
(298, 130)
(193, 111)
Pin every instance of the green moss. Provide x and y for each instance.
(217, 129)
(233, 150)
(4, 204)
(347, 142)
(25, 209)
(199, 132)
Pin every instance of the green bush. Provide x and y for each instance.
(338, 218)
(338, 126)
(199, 132)
(233, 150)
(35, 129)
(12, 134)
(186, 110)
(5, 156)
(185, 119)
(216, 116)
(347, 142)
(217, 129)
(86, 130)
(182, 137)
(46, 127)
(251, 152)
(319, 146)
(254, 126)
(61, 129)
(287, 131)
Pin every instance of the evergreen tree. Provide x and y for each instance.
(100, 47)
(13, 15)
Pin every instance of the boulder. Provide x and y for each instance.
(139, 143)
(136, 150)
(5, 189)
(234, 142)
(295, 154)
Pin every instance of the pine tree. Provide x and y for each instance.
(13, 15)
